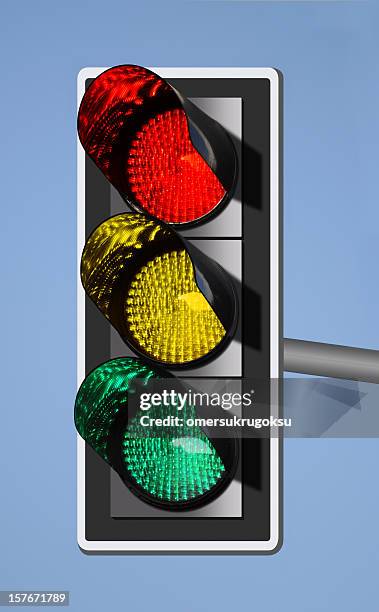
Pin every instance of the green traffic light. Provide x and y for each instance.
(175, 467)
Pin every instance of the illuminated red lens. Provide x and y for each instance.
(168, 177)
(133, 126)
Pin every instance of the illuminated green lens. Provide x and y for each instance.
(172, 463)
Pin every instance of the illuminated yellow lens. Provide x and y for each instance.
(138, 274)
(168, 316)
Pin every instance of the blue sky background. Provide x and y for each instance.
(328, 53)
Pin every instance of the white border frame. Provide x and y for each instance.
(191, 546)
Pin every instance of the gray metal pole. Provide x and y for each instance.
(331, 360)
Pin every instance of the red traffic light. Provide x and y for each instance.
(140, 132)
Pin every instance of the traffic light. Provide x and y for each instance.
(175, 467)
(178, 255)
(163, 154)
(169, 302)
